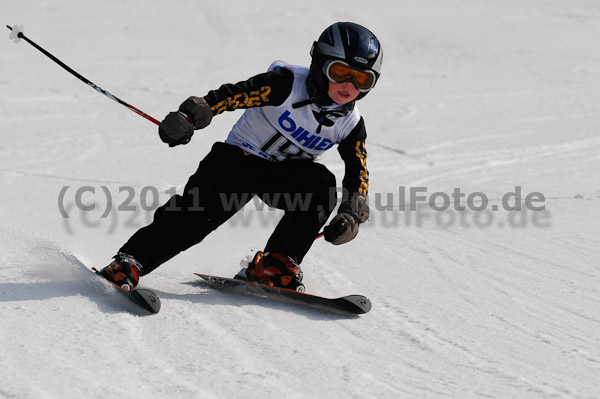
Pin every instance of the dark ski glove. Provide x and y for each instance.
(344, 226)
(178, 127)
(198, 110)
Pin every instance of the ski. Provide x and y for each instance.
(352, 304)
(142, 297)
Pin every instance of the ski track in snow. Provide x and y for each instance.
(480, 96)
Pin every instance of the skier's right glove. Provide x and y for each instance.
(178, 127)
(344, 226)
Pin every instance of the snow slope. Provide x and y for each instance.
(479, 96)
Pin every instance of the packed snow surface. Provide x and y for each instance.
(479, 102)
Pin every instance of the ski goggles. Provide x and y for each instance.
(339, 72)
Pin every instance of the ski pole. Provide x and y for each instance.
(20, 35)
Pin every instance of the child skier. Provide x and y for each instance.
(293, 114)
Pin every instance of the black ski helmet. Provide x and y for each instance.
(349, 42)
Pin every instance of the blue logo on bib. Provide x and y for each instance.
(303, 136)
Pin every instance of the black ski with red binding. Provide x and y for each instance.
(142, 297)
(350, 304)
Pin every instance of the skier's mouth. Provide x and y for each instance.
(343, 94)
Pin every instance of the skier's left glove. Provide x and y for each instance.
(344, 226)
(178, 127)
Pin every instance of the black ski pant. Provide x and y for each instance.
(226, 180)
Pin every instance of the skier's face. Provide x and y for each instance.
(342, 93)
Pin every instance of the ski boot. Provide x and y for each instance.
(124, 272)
(276, 270)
